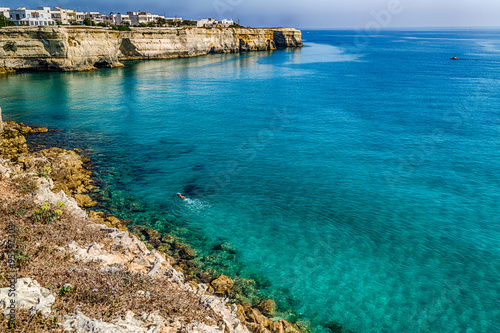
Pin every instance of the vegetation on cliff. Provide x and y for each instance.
(5, 22)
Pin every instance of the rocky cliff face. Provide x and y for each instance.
(85, 48)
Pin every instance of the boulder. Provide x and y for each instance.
(84, 201)
(28, 296)
(44, 194)
(223, 285)
(188, 253)
(267, 307)
(256, 328)
(254, 316)
(289, 327)
(276, 327)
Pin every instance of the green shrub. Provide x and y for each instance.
(45, 214)
(188, 23)
(101, 24)
(123, 27)
(64, 290)
(113, 27)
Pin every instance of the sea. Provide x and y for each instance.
(356, 179)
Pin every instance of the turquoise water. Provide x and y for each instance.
(359, 182)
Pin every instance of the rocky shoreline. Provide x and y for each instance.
(44, 194)
(70, 48)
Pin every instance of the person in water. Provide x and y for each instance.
(181, 196)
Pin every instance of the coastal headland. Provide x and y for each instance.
(69, 48)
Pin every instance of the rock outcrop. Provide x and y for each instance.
(59, 48)
(28, 296)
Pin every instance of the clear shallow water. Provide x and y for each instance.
(363, 181)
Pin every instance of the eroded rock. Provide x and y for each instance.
(223, 285)
(28, 296)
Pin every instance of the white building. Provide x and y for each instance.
(32, 17)
(122, 19)
(226, 22)
(96, 17)
(80, 16)
(136, 18)
(206, 23)
(5, 11)
(60, 14)
(214, 23)
(110, 19)
(172, 19)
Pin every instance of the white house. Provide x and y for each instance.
(122, 19)
(206, 23)
(96, 17)
(226, 22)
(214, 23)
(80, 16)
(172, 19)
(136, 18)
(32, 17)
(5, 11)
(60, 14)
(110, 19)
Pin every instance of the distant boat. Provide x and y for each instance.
(454, 58)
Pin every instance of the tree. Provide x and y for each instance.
(123, 27)
(59, 22)
(188, 23)
(88, 22)
(161, 22)
(101, 24)
(5, 22)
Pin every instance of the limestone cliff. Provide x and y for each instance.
(84, 48)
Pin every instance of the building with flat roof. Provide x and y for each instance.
(32, 17)
(5, 11)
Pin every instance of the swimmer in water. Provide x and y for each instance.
(181, 196)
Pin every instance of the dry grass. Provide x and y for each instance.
(95, 292)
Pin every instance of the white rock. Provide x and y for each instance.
(29, 296)
(44, 194)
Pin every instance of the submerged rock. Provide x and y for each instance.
(84, 201)
(267, 307)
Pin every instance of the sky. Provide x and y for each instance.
(303, 14)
